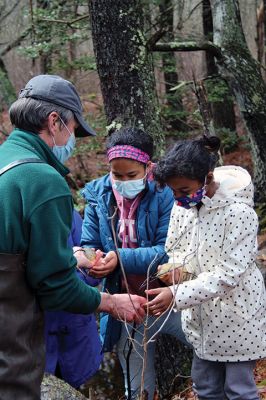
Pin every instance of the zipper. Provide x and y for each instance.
(137, 227)
(147, 225)
(199, 269)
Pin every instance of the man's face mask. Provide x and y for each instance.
(130, 189)
(62, 153)
(192, 199)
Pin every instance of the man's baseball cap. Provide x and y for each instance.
(56, 90)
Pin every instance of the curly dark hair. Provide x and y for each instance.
(133, 137)
(192, 159)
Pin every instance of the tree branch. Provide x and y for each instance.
(3, 17)
(15, 42)
(188, 46)
(63, 21)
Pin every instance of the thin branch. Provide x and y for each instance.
(15, 42)
(63, 21)
(155, 38)
(188, 46)
(189, 14)
(32, 20)
(159, 19)
(3, 17)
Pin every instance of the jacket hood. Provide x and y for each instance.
(235, 186)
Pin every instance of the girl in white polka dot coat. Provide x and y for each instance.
(212, 237)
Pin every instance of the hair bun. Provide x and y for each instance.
(211, 143)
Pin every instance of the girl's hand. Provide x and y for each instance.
(171, 277)
(104, 266)
(164, 298)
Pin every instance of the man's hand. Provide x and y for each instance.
(123, 307)
(168, 274)
(163, 299)
(82, 259)
(105, 265)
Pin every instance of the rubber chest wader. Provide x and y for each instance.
(22, 354)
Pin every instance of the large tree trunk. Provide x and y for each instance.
(243, 75)
(125, 66)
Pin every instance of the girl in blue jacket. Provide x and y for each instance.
(127, 218)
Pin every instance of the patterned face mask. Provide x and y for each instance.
(192, 199)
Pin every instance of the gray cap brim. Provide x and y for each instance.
(84, 129)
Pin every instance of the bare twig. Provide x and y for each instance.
(179, 26)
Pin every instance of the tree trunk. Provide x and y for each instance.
(7, 91)
(243, 75)
(223, 111)
(125, 66)
(174, 362)
(173, 99)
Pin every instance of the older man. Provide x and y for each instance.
(37, 269)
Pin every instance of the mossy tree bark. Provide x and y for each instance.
(125, 66)
(223, 111)
(242, 73)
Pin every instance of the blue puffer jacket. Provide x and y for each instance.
(152, 222)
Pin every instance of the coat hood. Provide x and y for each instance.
(235, 186)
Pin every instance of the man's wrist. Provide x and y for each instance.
(106, 304)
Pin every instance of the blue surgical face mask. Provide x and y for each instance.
(129, 189)
(62, 153)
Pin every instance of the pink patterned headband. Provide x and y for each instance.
(126, 151)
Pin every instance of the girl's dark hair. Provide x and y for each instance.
(131, 136)
(192, 159)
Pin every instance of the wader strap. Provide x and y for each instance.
(18, 162)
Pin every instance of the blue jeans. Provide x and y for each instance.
(214, 380)
(134, 365)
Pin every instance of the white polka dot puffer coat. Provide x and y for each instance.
(224, 311)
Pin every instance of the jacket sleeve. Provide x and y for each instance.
(237, 255)
(75, 234)
(90, 236)
(137, 261)
(51, 268)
